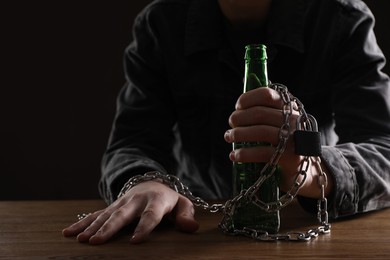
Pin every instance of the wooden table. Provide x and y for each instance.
(32, 230)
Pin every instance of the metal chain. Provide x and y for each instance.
(249, 195)
(174, 183)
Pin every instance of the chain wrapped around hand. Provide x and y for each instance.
(306, 123)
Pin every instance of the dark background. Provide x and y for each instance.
(61, 71)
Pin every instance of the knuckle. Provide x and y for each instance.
(104, 215)
(120, 213)
(234, 135)
(238, 155)
(274, 94)
(106, 227)
(102, 218)
(270, 94)
(239, 102)
(233, 119)
(150, 214)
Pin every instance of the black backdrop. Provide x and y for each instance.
(61, 71)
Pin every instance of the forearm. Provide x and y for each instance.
(118, 167)
(136, 145)
(361, 176)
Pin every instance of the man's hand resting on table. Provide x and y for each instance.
(149, 202)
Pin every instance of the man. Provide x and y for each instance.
(184, 71)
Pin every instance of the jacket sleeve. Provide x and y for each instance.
(141, 138)
(360, 161)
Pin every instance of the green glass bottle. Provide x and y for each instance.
(246, 174)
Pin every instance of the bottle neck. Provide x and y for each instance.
(256, 74)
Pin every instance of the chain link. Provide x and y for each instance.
(249, 195)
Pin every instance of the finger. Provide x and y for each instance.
(118, 219)
(252, 154)
(257, 133)
(93, 227)
(81, 225)
(257, 115)
(150, 218)
(185, 219)
(260, 97)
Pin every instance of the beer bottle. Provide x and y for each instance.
(246, 174)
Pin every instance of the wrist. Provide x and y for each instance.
(318, 182)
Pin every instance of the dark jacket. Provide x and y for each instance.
(184, 73)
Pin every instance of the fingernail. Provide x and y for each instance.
(237, 105)
(134, 237)
(232, 155)
(227, 136)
